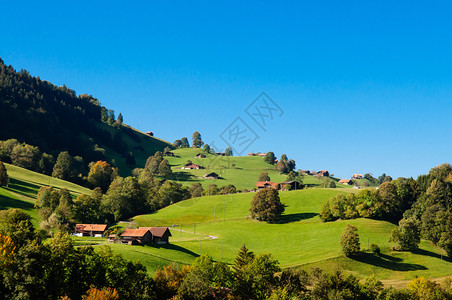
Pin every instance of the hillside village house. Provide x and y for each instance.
(95, 230)
(158, 235)
(346, 181)
(212, 175)
(267, 184)
(357, 176)
(169, 153)
(289, 185)
(191, 166)
(323, 173)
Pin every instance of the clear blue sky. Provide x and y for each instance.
(363, 87)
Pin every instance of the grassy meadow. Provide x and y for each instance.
(241, 171)
(300, 240)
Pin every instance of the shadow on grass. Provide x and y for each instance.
(24, 188)
(432, 254)
(290, 218)
(173, 247)
(6, 203)
(388, 262)
(182, 176)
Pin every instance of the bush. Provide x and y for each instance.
(375, 249)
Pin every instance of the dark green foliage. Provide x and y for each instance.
(374, 248)
(3, 175)
(55, 208)
(264, 177)
(407, 235)
(184, 142)
(229, 189)
(64, 167)
(350, 241)
(270, 158)
(101, 174)
(228, 152)
(206, 148)
(196, 190)
(266, 206)
(125, 198)
(285, 165)
(197, 141)
(17, 225)
(88, 209)
(177, 144)
(165, 168)
(332, 184)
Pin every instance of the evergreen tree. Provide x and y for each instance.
(120, 119)
(63, 168)
(184, 142)
(165, 168)
(243, 258)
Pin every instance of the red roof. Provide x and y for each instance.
(157, 231)
(135, 232)
(264, 184)
(91, 227)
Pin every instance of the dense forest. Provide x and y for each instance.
(54, 119)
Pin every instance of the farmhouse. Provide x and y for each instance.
(267, 184)
(136, 236)
(95, 230)
(200, 155)
(323, 173)
(212, 175)
(169, 153)
(251, 154)
(160, 235)
(150, 133)
(357, 176)
(346, 181)
(191, 166)
(261, 154)
(289, 185)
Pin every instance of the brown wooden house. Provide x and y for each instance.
(267, 184)
(160, 235)
(290, 185)
(191, 166)
(323, 173)
(96, 230)
(212, 175)
(136, 236)
(346, 181)
(357, 176)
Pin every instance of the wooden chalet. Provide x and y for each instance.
(323, 173)
(136, 236)
(200, 155)
(150, 133)
(251, 154)
(357, 176)
(267, 184)
(160, 235)
(169, 153)
(290, 185)
(96, 230)
(212, 175)
(261, 154)
(191, 166)
(346, 181)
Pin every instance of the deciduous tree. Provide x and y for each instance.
(266, 206)
(350, 241)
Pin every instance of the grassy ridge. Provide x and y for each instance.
(241, 171)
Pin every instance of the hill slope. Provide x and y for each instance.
(241, 171)
(23, 188)
(218, 225)
(55, 119)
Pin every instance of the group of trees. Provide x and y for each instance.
(422, 207)
(284, 165)
(389, 202)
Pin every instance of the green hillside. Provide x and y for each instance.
(241, 171)
(23, 188)
(219, 226)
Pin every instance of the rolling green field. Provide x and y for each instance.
(241, 171)
(301, 240)
(23, 188)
